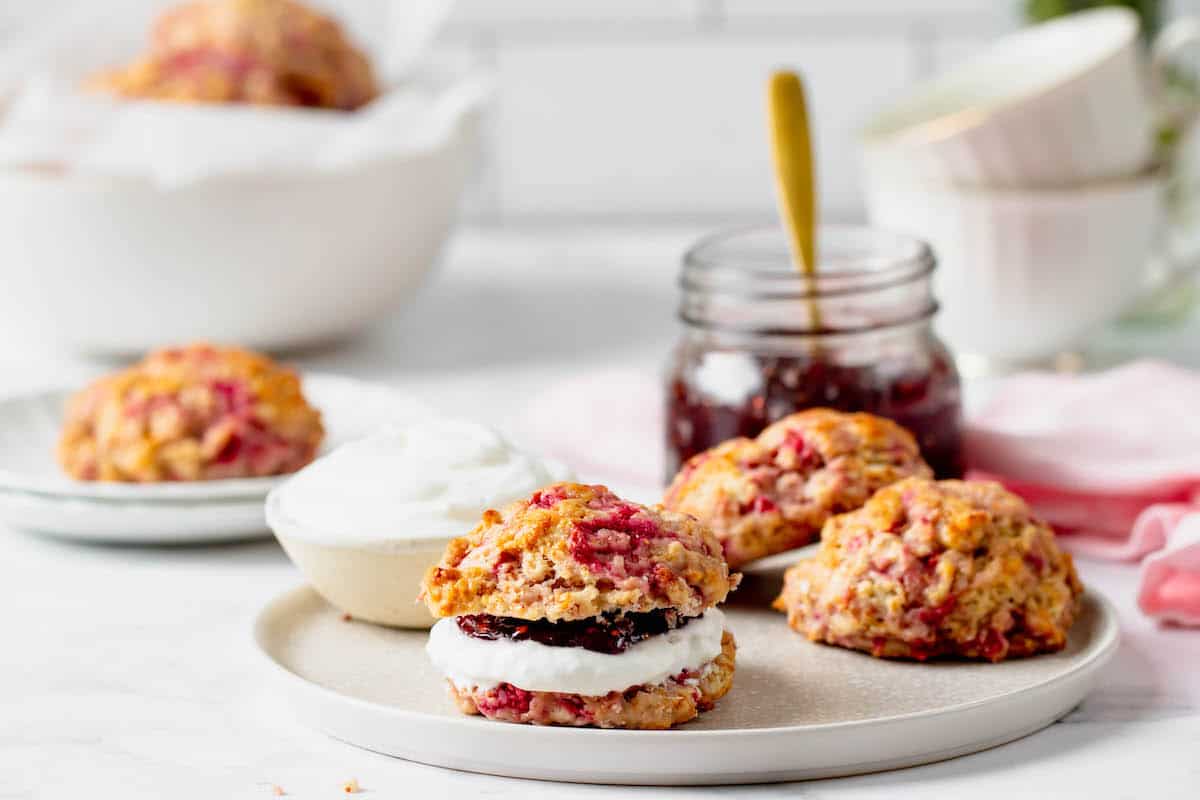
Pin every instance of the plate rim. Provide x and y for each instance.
(1095, 657)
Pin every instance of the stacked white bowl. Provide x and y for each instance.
(1031, 171)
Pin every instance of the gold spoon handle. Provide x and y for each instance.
(791, 146)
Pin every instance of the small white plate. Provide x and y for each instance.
(180, 522)
(797, 710)
(30, 426)
(35, 495)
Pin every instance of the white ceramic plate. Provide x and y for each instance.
(30, 425)
(35, 495)
(103, 521)
(797, 710)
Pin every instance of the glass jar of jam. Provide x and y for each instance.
(762, 340)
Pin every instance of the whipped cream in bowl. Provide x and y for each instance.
(364, 522)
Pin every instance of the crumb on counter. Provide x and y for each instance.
(351, 786)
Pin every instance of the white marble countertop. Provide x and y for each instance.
(129, 672)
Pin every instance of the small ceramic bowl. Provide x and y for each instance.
(365, 522)
(372, 581)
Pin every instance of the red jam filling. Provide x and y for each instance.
(611, 633)
(925, 400)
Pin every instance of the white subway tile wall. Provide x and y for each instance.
(631, 109)
(637, 110)
(674, 127)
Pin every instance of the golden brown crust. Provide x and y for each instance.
(572, 552)
(192, 413)
(773, 493)
(264, 52)
(657, 707)
(931, 568)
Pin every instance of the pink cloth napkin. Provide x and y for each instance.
(607, 424)
(1112, 460)
(1170, 578)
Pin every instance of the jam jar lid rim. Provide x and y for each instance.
(701, 272)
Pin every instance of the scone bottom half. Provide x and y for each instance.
(928, 569)
(576, 607)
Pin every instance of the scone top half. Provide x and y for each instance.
(574, 552)
(773, 493)
(929, 568)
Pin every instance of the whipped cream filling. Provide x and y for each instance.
(535, 667)
(433, 479)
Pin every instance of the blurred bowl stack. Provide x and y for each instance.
(1031, 170)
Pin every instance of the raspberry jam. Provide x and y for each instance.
(925, 400)
(763, 341)
(611, 633)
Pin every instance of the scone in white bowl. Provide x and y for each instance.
(365, 522)
(119, 265)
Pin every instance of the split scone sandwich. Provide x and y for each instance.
(773, 493)
(576, 607)
(932, 568)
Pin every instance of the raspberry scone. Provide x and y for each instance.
(773, 493)
(945, 568)
(264, 52)
(191, 413)
(575, 607)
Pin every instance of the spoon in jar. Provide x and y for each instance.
(791, 148)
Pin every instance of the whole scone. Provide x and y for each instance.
(576, 607)
(931, 568)
(262, 52)
(190, 413)
(773, 493)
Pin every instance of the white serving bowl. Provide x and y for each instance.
(1023, 275)
(1059, 103)
(119, 266)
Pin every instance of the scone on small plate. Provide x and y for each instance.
(576, 607)
(189, 414)
(936, 568)
(773, 493)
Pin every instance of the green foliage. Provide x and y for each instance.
(1149, 10)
